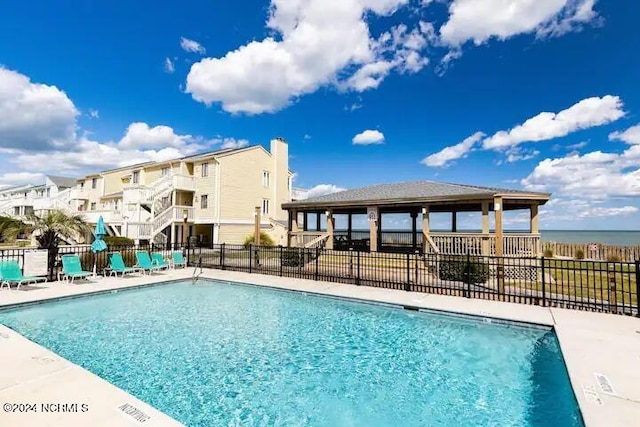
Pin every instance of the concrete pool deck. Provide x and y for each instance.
(601, 351)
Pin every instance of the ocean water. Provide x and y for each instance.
(215, 354)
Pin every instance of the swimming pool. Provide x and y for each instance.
(216, 354)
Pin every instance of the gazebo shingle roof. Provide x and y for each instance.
(414, 190)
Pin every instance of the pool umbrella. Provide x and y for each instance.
(98, 244)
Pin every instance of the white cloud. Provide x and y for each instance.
(454, 152)
(314, 43)
(142, 136)
(233, 143)
(169, 66)
(94, 114)
(585, 114)
(601, 211)
(630, 136)
(189, 45)
(481, 20)
(515, 154)
(33, 115)
(12, 179)
(368, 137)
(318, 190)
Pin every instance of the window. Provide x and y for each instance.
(93, 206)
(136, 177)
(265, 179)
(204, 201)
(265, 206)
(48, 192)
(82, 185)
(94, 183)
(205, 169)
(165, 171)
(289, 183)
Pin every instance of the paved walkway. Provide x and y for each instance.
(602, 353)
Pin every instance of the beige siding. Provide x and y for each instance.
(234, 234)
(206, 185)
(241, 188)
(280, 178)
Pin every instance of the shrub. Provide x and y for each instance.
(579, 254)
(459, 270)
(292, 257)
(118, 241)
(613, 258)
(548, 253)
(265, 239)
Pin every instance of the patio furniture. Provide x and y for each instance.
(145, 264)
(178, 259)
(117, 265)
(158, 260)
(72, 268)
(11, 273)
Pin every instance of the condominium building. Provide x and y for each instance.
(21, 201)
(210, 196)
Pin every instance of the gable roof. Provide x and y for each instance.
(62, 181)
(413, 191)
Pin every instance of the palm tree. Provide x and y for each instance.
(50, 226)
(11, 228)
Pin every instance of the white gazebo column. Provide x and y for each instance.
(486, 242)
(373, 216)
(497, 211)
(330, 226)
(534, 227)
(425, 228)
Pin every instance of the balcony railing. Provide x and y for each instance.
(184, 182)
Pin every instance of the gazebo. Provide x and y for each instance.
(419, 199)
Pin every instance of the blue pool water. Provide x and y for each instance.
(216, 354)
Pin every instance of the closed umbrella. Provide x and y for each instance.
(98, 244)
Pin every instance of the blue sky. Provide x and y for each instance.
(538, 95)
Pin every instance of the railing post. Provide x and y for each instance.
(358, 268)
(281, 260)
(315, 276)
(300, 261)
(468, 277)
(250, 257)
(637, 288)
(544, 284)
(407, 285)
(222, 256)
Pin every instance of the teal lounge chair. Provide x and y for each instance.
(11, 273)
(116, 265)
(159, 261)
(144, 262)
(72, 268)
(178, 260)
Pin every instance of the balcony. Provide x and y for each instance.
(184, 182)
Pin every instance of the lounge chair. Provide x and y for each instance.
(72, 268)
(178, 260)
(11, 273)
(144, 262)
(116, 265)
(158, 260)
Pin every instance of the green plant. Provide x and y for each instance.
(460, 270)
(548, 253)
(12, 229)
(292, 257)
(579, 254)
(265, 239)
(118, 241)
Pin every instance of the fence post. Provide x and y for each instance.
(222, 256)
(358, 268)
(300, 261)
(407, 285)
(544, 284)
(250, 257)
(638, 288)
(315, 276)
(281, 260)
(468, 276)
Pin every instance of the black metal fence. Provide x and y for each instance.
(583, 285)
(601, 286)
